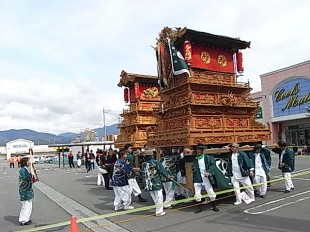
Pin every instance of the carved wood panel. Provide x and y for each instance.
(175, 123)
(237, 122)
(253, 137)
(157, 142)
(216, 139)
(200, 76)
(207, 122)
(205, 98)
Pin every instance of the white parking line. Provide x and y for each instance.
(275, 201)
(300, 178)
(296, 172)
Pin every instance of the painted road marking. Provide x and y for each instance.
(300, 178)
(296, 172)
(78, 210)
(276, 201)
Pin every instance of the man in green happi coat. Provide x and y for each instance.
(169, 161)
(153, 173)
(203, 175)
(286, 164)
(134, 187)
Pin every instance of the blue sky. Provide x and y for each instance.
(60, 61)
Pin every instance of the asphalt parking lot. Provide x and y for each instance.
(63, 192)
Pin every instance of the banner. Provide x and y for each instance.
(212, 59)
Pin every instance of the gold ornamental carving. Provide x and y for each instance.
(222, 60)
(175, 113)
(213, 139)
(237, 122)
(208, 122)
(176, 124)
(187, 53)
(150, 94)
(246, 138)
(205, 57)
(167, 142)
(204, 98)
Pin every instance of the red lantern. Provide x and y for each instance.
(240, 68)
(126, 95)
(187, 49)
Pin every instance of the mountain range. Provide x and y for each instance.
(42, 138)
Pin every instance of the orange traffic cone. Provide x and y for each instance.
(74, 226)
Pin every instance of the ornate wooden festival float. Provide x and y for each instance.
(142, 94)
(203, 101)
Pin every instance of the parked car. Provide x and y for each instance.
(34, 159)
(49, 159)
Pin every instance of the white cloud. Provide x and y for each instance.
(60, 61)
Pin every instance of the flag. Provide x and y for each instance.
(163, 65)
(179, 65)
(220, 174)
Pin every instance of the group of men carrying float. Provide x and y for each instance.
(246, 169)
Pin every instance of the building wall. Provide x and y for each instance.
(272, 109)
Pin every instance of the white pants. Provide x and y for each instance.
(134, 187)
(122, 197)
(25, 212)
(158, 199)
(179, 190)
(262, 189)
(207, 186)
(288, 181)
(169, 190)
(246, 182)
(100, 179)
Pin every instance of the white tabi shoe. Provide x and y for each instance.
(237, 202)
(160, 214)
(128, 207)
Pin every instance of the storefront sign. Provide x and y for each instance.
(20, 145)
(291, 97)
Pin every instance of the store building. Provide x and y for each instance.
(285, 103)
(18, 147)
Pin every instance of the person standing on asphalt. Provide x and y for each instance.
(120, 183)
(11, 161)
(239, 168)
(203, 176)
(103, 171)
(19, 158)
(134, 187)
(153, 172)
(78, 158)
(92, 159)
(169, 162)
(261, 168)
(87, 161)
(25, 192)
(286, 164)
(70, 157)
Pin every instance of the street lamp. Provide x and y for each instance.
(104, 126)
